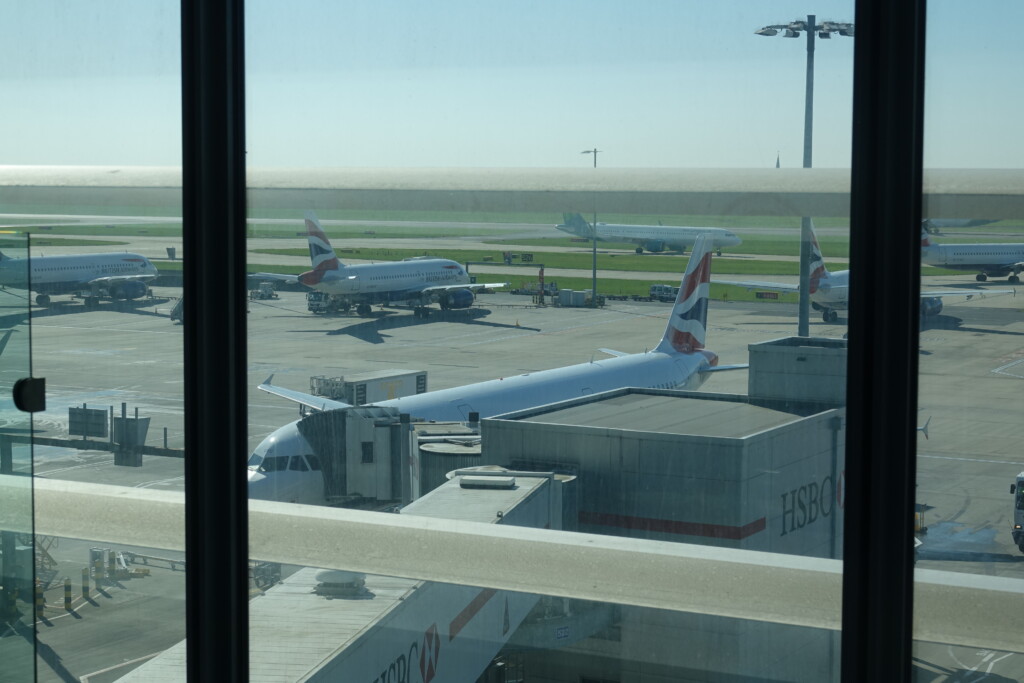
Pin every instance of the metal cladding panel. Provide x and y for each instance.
(693, 488)
(434, 464)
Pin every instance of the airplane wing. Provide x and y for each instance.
(755, 284)
(309, 400)
(438, 289)
(290, 279)
(967, 293)
(723, 368)
(111, 279)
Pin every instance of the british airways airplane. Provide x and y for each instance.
(653, 238)
(120, 275)
(995, 260)
(680, 361)
(830, 291)
(415, 282)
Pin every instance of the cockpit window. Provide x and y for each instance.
(254, 460)
(274, 464)
(314, 462)
(298, 464)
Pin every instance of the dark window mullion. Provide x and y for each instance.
(213, 197)
(885, 223)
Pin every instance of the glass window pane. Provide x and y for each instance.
(474, 194)
(17, 544)
(92, 142)
(969, 424)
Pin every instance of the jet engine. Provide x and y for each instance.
(459, 298)
(931, 305)
(131, 289)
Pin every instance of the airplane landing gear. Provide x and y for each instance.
(43, 300)
(829, 316)
(1013, 279)
(639, 250)
(981, 277)
(363, 309)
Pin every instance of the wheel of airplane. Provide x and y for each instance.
(981, 277)
(719, 252)
(363, 309)
(639, 250)
(1013, 279)
(43, 300)
(830, 316)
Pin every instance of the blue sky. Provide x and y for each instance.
(660, 83)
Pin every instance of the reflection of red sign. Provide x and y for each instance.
(841, 489)
(429, 654)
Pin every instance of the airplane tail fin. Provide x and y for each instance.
(321, 253)
(687, 325)
(817, 264)
(926, 240)
(575, 224)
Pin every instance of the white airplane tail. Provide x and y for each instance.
(926, 241)
(817, 265)
(321, 253)
(687, 325)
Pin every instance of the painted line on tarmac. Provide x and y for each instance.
(947, 457)
(85, 678)
(1001, 370)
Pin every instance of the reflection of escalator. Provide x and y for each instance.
(178, 312)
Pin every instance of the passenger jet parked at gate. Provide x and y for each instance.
(997, 260)
(89, 276)
(680, 361)
(415, 282)
(653, 238)
(830, 291)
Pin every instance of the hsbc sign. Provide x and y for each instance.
(420, 658)
(806, 504)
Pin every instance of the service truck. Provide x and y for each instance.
(370, 387)
(1018, 511)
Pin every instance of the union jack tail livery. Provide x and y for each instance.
(687, 326)
(817, 264)
(321, 253)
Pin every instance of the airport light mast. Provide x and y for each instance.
(593, 235)
(823, 30)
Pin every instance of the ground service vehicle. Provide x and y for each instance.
(1018, 511)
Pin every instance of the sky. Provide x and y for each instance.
(654, 83)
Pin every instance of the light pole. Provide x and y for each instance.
(792, 30)
(593, 235)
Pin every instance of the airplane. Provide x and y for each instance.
(416, 282)
(994, 260)
(679, 361)
(653, 238)
(830, 291)
(120, 275)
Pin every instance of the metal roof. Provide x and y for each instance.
(668, 414)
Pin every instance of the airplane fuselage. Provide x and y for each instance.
(387, 282)
(657, 237)
(991, 259)
(75, 273)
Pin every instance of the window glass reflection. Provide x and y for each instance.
(967, 468)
